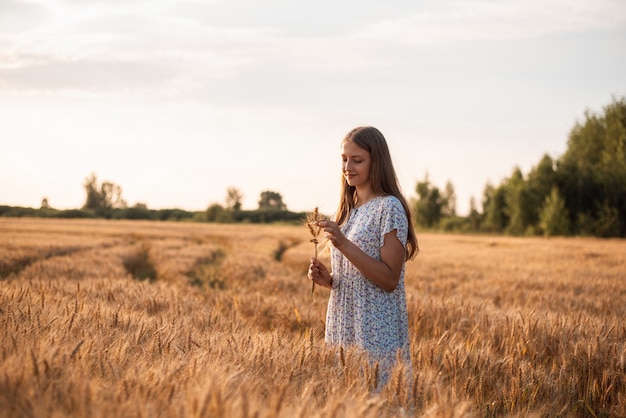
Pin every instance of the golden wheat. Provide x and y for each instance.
(314, 229)
(498, 326)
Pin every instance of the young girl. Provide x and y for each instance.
(371, 238)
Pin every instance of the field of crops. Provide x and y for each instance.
(146, 319)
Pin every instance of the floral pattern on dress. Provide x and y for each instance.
(360, 313)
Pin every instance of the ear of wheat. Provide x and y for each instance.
(315, 230)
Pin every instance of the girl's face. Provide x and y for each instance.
(356, 164)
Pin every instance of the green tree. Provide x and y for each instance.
(449, 201)
(474, 217)
(104, 197)
(233, 199)
(591, 174)
(554, 216)
(607, 222)
(429, 205)
(539, 184)
(494, 207)
(518, 206)
(270, 200)
(217, 213)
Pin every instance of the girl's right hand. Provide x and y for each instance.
(320, 274)
(333, 234)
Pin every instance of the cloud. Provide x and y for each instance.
(210, 49)
(85, 75)
(110, 51)
(486, 20)
(18, 16)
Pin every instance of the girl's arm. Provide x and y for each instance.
(384, 272)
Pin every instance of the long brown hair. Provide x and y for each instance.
(383, 180)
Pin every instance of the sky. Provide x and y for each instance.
(178, 100)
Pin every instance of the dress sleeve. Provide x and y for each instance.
(394, 217)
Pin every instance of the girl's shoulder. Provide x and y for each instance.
(390, 201)
(392, 206)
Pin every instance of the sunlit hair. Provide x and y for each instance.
(383, 179)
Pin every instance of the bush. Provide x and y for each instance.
(454, 224)
(554, 216)
(135, 212)
(76, 213)
(139, 263)
(207, 271)
(608, 223)
(172, 215)
(268, 216)
(17, 211)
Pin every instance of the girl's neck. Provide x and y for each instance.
(364, 196)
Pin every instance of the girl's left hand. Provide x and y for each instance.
(333, 233)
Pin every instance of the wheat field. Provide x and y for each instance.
(147, 319)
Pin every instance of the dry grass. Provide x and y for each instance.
(315, 230)
(499, 326)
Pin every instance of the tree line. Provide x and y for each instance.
(104, 200)
(583, 192)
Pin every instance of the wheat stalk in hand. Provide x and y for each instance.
(315, 230)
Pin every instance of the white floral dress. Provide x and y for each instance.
(360, 312)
